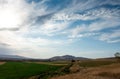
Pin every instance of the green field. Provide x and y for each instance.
(21, 70)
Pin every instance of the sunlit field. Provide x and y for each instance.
(21, 70)
(93, 69)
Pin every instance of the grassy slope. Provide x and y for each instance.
(19, 70)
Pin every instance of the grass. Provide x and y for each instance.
(63, 63)
(95, 63)
(44, 70)
(111, 71)
(110, 74)
(20, 70)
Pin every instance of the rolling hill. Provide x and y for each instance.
(67, 57)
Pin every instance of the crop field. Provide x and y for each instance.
(47, 70)
(96, 63)
(2, 63)
(21, 70)
(94, 69)
(59, 63)
(102, 72)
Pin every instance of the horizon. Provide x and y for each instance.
(48, 28)
(55, 56)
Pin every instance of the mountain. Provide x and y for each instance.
(56, 58)
(67, 57)
(12, 57)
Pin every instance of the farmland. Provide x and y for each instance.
(94, 69)
(2, 63)
(102, 72)
(21, 70)
(87, 69)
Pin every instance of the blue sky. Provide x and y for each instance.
(46, 28)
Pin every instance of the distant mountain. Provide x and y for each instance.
(12, 57)
(56, 58)
(67, 57)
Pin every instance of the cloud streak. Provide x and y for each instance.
(111, 37)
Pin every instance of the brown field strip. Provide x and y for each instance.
(57, 64)
(2, 63)
(103, 72)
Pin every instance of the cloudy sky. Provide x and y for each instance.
(46, 28)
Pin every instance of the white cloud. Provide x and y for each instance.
(13, 13)
(103, 24)
(114, 41)
(50, 28)
(29, 47)
(112, 2)
(37, 52)
(17, 41)
(104, 13)
(72, 16)
(111, 37)
(99, 13)
(68, 13)
(79, 5)
(17, 14)
(76, 31)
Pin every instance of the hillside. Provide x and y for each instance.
(12, 57)
(56, 58)
(67, 57)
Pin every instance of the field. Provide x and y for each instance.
(89, 69)
(104, 72)
(2, 63)
(97, 63)
(94, 69)
(21, 70)
(59, 63)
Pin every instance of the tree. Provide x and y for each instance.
(117, 55)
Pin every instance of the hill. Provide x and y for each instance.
(12, 57)
(66, 57)
(56, 58)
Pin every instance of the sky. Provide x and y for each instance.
(47, 28)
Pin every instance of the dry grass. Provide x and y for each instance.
(75, 67)
(51, 63)
(1, 63)
(104, 72)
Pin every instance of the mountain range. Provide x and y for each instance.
(12, 57)
(55, 58)
(67, 57)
